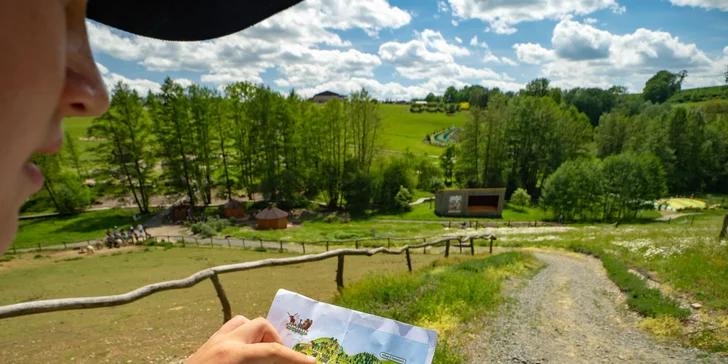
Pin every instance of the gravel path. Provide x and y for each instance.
(571, 313)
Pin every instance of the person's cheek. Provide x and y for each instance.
(31, 77)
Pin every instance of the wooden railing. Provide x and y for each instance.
(29, 308)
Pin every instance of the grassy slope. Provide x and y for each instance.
(162, 325)
(425, 212)
(77, 127)
(403, 129)
(85, 226)
(440, 298)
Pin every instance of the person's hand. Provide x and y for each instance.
(243, 341)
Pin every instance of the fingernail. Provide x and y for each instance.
(312, 359)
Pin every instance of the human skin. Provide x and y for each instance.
(47, 72)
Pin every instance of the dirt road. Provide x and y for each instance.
(572, 313)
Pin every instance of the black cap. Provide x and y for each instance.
(183, 20)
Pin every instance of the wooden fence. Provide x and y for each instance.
(29, 308)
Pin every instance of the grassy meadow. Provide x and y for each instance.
(405, 130)
(163, 327)
(71, 228)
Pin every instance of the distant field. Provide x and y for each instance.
(85, 226)
(77, 127)
(404, 129)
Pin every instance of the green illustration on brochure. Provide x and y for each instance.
(328, 351)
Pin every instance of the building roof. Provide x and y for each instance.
(328, 93)
(271, 213)
(234, 204)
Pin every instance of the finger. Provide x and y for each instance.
(257, 331)
(272, 353)
(232, 324)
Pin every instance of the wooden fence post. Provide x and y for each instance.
(424, 250)
(183, 242)
(211, 244)
(14, 251)
(357, 244)
(472, 247)
(226, 310)
(409, 261)
(722, 236)
(39, 248)
(303, 245)
(64, 246)
(280, 242)
(340, 273)
(261, 243)
(461, 246)
(389, 243)
(327, 245)
(197, 242)
(228, 241)
(447, 249)
(243, 242)
(491, 243)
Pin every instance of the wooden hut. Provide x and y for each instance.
(235, 209)
(272, 218)
(180, 212)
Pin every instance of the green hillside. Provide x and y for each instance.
(406, 130)
(700, 94)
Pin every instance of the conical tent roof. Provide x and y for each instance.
(271, 213)
(234, 204)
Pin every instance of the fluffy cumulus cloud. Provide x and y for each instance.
(583, 55)
(705, 4)
(457, 39)
(142, 86)
(501, 16)
(289, 42)
(428, 56)
(532, 53)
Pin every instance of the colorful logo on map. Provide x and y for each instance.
(297, 324)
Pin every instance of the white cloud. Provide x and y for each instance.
(501, 15)
(474, 43)
(457, 39)
(503, 85)
(103, 70)
(532, 53)
(490, 58)
(705, 4)
(583, 55)
(454, 22)
(427, 56)
(442, 6)
(142, 86)
(590, 20)
(184, 82)
(509, 61)
(288, 41)
(378, 90)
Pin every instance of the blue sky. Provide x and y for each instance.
(400, 49)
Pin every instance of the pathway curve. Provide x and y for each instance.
(570, 312)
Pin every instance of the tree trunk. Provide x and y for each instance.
(724, 231)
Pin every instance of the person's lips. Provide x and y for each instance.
(34, 175)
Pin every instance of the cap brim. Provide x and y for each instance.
(183, 20)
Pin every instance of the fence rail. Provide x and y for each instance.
(35, 307)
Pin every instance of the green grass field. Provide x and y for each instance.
(405, 130)
(163, 327)
(77, 127)
(84, 226)
(425, 211)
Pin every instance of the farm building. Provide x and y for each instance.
(476, 202)
(180, 212)
(272, 218)
(326, 96)
(235, 209)
(423, 103)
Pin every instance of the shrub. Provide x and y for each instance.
(210, 228)
(521, 198)
(71, 196)
(402, 199)
(435, 184)
(260, 249)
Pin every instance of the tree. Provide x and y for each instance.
(726, 74)
(50, 165)
(447, 162)
(127, 146)
(221, 126)
(450, 95)
(175, 138)
(594, 102)
(402, 199)
(397, 174)
(358, 188)
(538, 87)
(73, 155)
(611, 134)
(574, 190)
(431, 97)
(201, 118)
(366, 128)
(631, 180)
(72, 196)
(663, 85)
(520, 198)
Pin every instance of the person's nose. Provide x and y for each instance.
(84, 93)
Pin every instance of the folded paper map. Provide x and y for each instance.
(335, 334)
